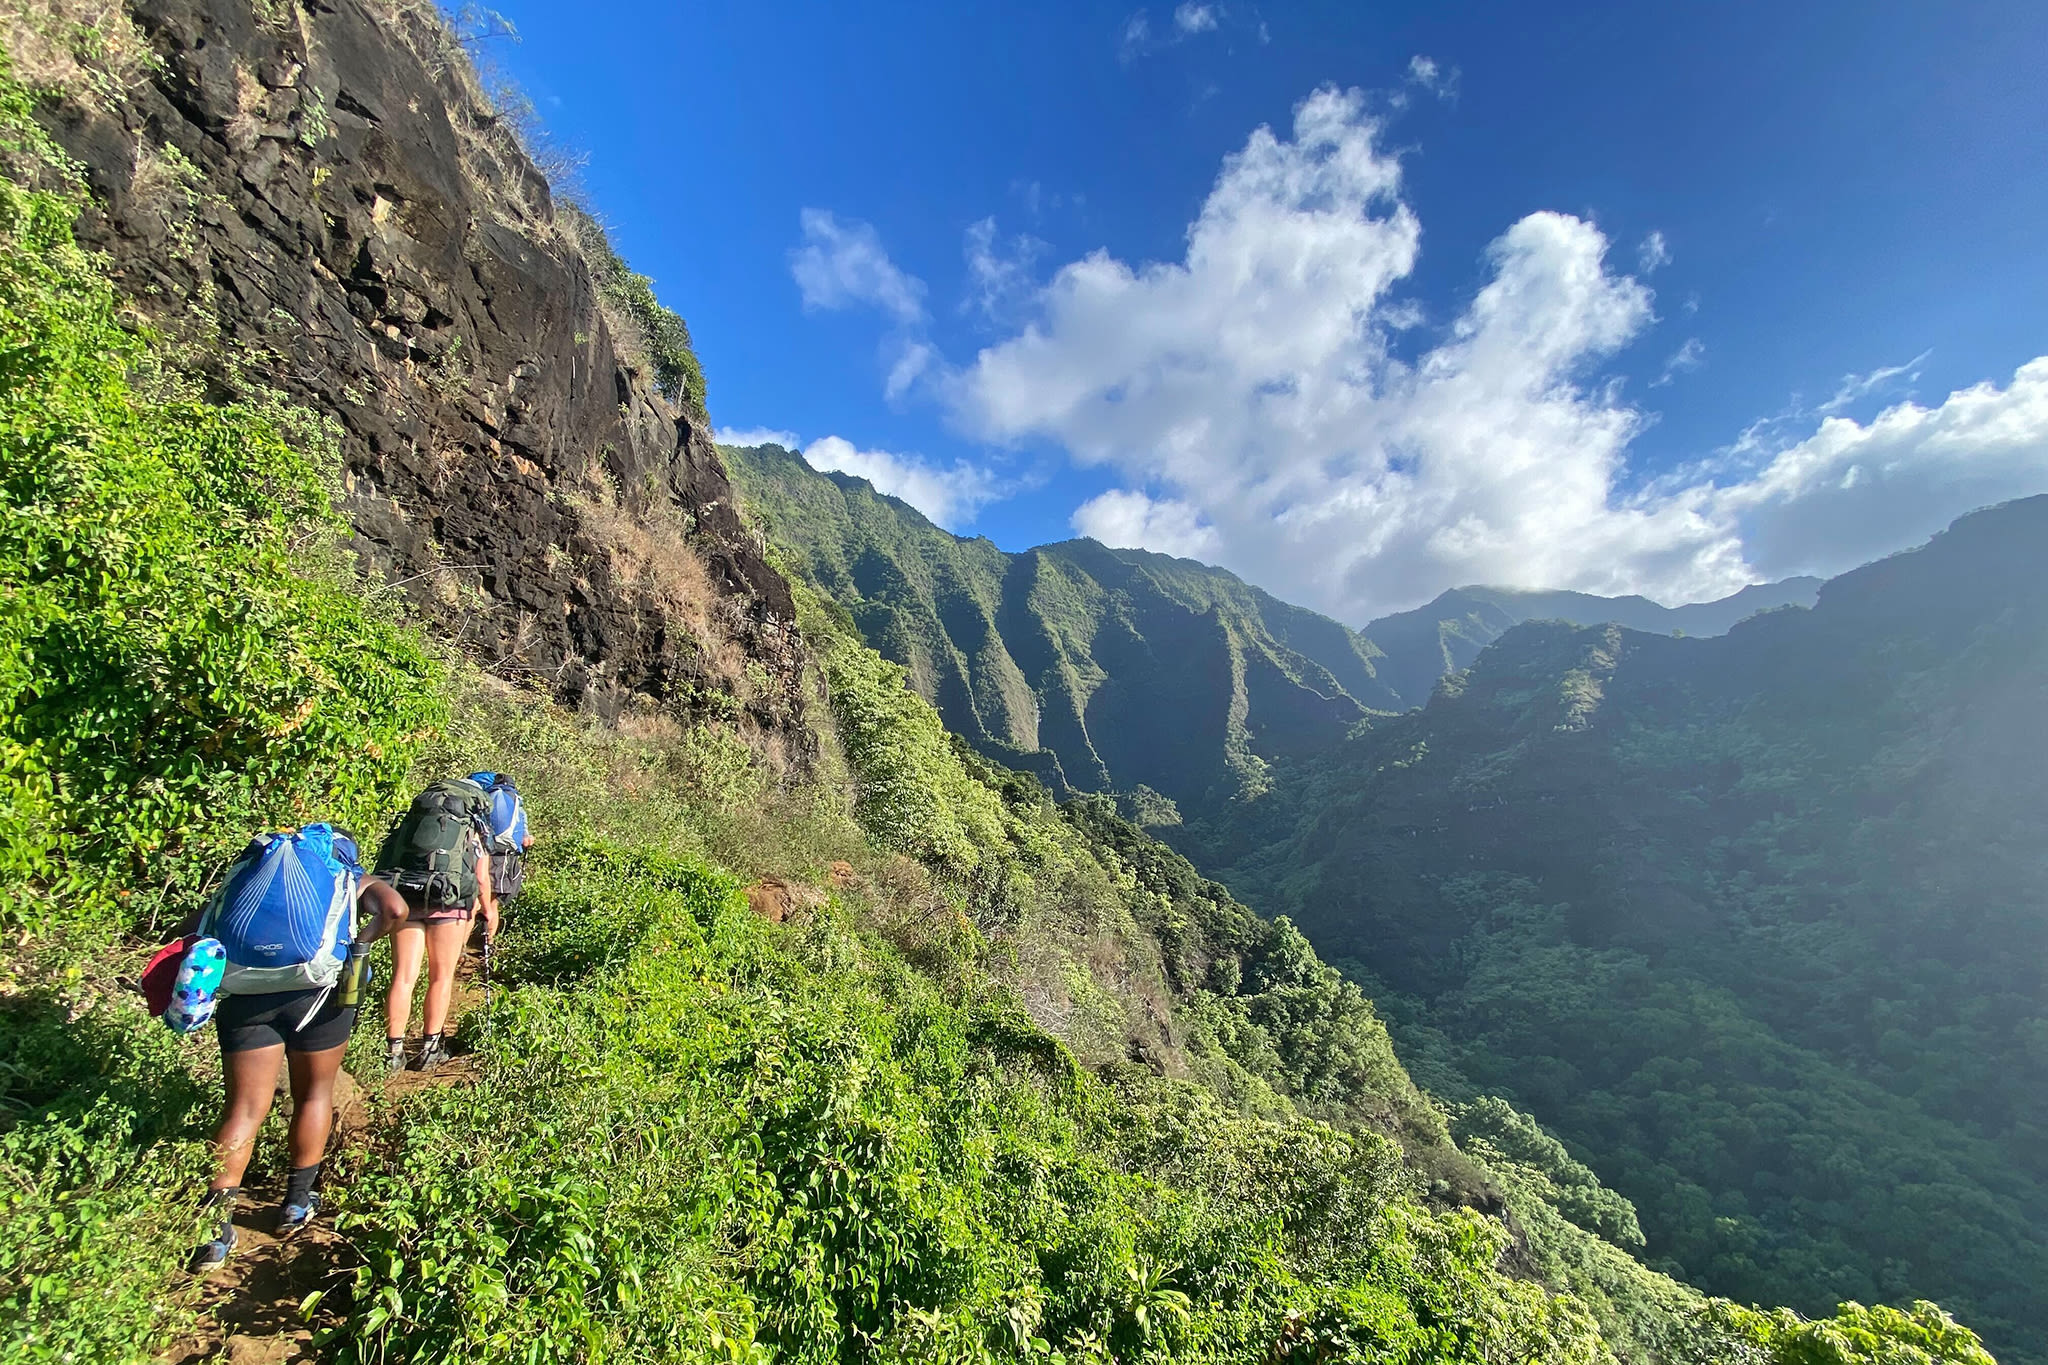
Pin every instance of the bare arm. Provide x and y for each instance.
(377, 896)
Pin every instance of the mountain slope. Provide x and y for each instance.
(1018, 1086)
(1098, 669)
(1757, 923)
(1112, 669)
(1446, 635)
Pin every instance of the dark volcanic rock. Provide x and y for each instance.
(315, 198)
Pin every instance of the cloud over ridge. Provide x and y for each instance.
(1252, 388)
(949, 497)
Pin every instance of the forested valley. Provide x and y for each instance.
(1754, 923)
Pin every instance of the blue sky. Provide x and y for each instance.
(1618, 297)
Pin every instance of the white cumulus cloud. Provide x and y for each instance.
(756, 436)
(842, 264)
(1129, 520)
(949, 497)
(1253, 386)
(1193, 18)
(1852, 492)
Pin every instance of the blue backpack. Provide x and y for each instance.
(508, 812)
(285, 913)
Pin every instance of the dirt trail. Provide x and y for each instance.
(249, 1312)
(249, 1308)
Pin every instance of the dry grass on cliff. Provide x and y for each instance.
(650, 780)
(512, 168)
(652, 552)
(85, 50)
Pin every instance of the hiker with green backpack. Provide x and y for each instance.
(438, 859)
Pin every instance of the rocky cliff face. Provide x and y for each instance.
(316, 198)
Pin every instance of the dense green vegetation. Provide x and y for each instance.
(1755, 923)
(837, 1159)
(847, 1138)
(181, 661)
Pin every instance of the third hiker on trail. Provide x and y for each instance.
(438, 858)
(509, 838)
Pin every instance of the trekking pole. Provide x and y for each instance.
(490, 951)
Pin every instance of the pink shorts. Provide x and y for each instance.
(437, 913)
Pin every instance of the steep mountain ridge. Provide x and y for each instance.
(1097, 669)
(1103, 669)
(1756, 922)
(320, 201)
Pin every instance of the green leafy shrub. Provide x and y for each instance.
(1920, 1335)
(174, 669)
(740, 1139)
(914, 795)
(91, 1229)
(677, 375)
(184, 659)
(1502, 1134)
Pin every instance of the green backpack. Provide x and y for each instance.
(432, 851)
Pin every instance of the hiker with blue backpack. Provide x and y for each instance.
(510, 838)
(276, 960)
(438, 859)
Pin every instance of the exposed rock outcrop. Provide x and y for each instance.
(317, 198)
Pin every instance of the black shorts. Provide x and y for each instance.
(247, 1022)
(508, 875)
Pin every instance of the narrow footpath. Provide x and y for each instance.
(249, 1308)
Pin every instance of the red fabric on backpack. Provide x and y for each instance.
(160, 977)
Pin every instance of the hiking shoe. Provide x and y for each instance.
(214, 1254)
(433, 1052)
(211, 1255)
(394, 1055)
(296, 1216)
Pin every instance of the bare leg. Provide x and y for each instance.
(251, 1085)
(444, 953)
(313, 1076)
(408, 951)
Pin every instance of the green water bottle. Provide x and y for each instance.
(355, 975)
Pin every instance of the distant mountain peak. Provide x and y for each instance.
(1447, 634)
